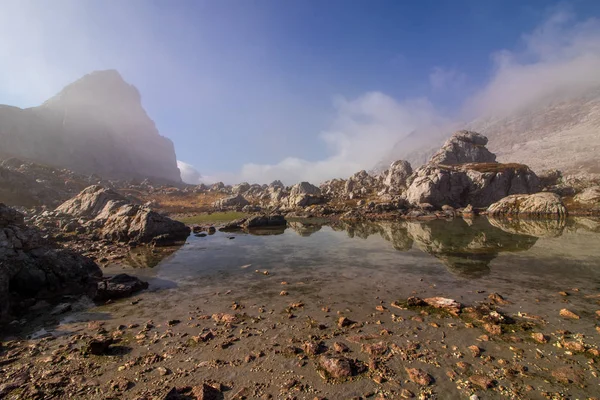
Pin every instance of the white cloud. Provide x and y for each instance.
(561, 57)
(446, 79)
(363, 129)
(189, 174)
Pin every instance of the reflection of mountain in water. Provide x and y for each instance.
(466, 248)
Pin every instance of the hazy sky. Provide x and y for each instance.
(257, 90)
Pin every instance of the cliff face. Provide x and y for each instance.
(94, 125)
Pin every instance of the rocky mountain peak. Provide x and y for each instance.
(94, 125)
(99, 88)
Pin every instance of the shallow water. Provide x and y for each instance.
(352, 270)
(453, 255)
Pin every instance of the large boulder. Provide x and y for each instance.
(119, 220)
(398, 175)
(304, 194)
(464, 147)
(544, 204)
(31, 266)
(232, 201)
(478, 184)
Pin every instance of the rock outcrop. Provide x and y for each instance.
(117, 219)
(397, 175)
(94, 125)
(477, 184)
(542, 204)
(31, 266)
(462, 148)
(464, 172)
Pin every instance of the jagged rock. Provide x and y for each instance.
(94, 125)
(304, 194)
(477, 184)
(118, 286)
(119, 220)
(590, 196)
(277, 184)
(240, 188)
(464, 147)
(31, 266)
(233, 201)
(538, 204)
(398, 175)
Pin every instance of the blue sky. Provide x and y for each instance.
(257, 90)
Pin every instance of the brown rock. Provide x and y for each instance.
(498, 299)
(206, 392)
(568, 314)
(482, 381)
(344, 322)
(414, 302)
(574, 346)
(419, 376)
(340, 347)
(569, 375)
(493, 329)
(475, 350)
(224, 318)
(99, 345)
(336, 367)
(374, 349)
(540, 337)
(406, 394)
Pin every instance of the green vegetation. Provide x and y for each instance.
(210, 217)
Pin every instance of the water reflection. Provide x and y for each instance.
(466, 248)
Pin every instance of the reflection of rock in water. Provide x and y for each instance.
(532, 227)
(394, 232)
(587, 224)
(267, 231)
(397, 234)
(305, 228)
(148, 257)
(466, 249)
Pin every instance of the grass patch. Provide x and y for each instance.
(210, 218)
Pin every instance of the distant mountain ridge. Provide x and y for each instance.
(559, 134)
(94, 125)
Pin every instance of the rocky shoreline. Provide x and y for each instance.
(50, 259)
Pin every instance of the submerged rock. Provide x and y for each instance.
(118, 286)
(534, 205)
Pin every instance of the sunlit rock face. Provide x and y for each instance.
(94, 125)
(464, 172)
